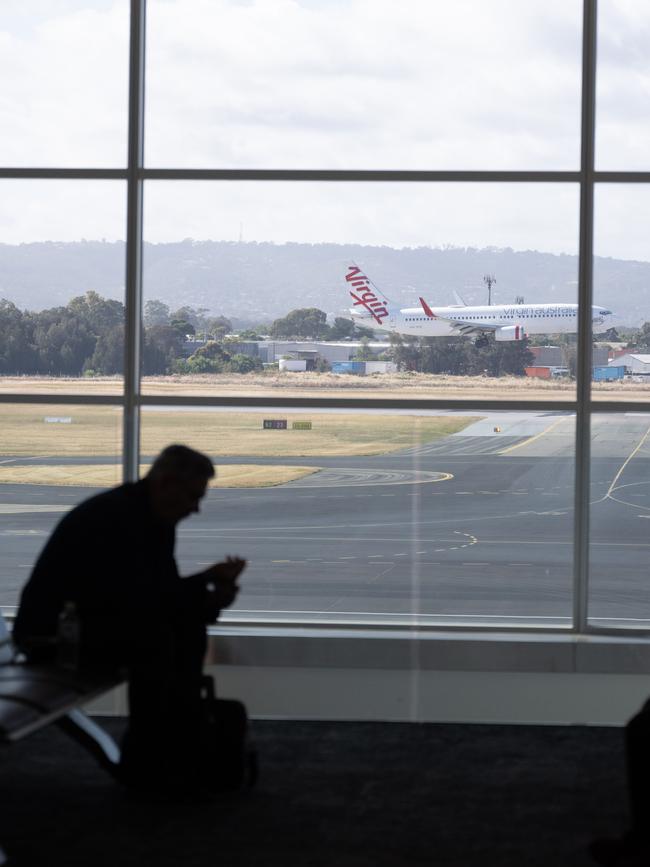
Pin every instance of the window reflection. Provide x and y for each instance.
(377, 517)
(620, 510)
(53, 457)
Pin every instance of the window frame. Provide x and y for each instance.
(136, 174)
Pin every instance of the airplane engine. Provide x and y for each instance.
(510, 332)
(359, 314)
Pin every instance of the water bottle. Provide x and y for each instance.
(68, 638)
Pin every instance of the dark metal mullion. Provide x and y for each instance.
(364, 175)
(585, 297)
(133, 280)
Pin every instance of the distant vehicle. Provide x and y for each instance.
(507, 322)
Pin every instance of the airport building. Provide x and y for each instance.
(634, 363)
(436, 580)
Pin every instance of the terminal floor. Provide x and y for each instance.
(333, 795)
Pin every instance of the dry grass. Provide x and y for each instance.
(106, 475)
(334, 385)
(96, 431)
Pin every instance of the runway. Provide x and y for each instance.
(474, 528)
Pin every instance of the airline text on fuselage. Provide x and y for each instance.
(366, 298)
(539, 311)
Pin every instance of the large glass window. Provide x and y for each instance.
(375, 516)
(623, 126)
(62, 285)
(403, 476)
(218, 305)
(53, 456)
(354, 84)
(620, 510)
(64, 73)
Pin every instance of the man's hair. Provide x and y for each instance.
(182, 462)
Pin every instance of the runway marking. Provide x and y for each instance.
(24, 533)
(532, 439)
(339, 477)
(612, 486)
(385, 615)
(561, 542)
(24, 508)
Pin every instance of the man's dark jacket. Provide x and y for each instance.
(115, 560)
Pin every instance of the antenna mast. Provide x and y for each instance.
(489, 279)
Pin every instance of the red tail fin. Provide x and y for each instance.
(428, 311)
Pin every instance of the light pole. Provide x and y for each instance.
(489, 279)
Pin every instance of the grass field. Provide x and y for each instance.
(106, 475)
(66, 431)
(96, 430)
(287, 384)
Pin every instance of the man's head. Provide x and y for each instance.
(177, 482)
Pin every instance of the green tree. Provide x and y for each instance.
(99, 314)
(218, 326)
(108, 357)
(183, 326)
(240, 363)
(306, 322)
(63, 342)
(194, 315)
(642, 337)
(361, 331)
(162, 346)
(17, 354)
(364, 352)
(249, 334)
(405, 351)
(342, 329)
(156, 313)
(209, 358)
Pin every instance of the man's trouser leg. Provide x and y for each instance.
(637, 748)
(163, 740)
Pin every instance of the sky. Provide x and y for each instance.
(346, 84)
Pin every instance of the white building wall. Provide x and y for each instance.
(635, 362)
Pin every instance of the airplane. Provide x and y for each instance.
(506, 322)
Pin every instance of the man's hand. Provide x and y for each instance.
(221, 585)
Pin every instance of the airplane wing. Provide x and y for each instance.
(462, 326)
(468, 327)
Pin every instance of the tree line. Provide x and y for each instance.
(86, 338)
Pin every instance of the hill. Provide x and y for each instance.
(255, 282)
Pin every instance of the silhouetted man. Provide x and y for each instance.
(113, 557)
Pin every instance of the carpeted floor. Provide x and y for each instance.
(335, 794)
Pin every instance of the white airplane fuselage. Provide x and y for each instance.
(530, 318)
(505, 322)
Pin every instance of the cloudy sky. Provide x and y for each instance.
(349, 84)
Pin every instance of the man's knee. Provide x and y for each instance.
(639, 725)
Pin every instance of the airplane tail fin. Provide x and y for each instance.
(427, 310)
(368, 300)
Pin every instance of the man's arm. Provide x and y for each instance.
(216, 586)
